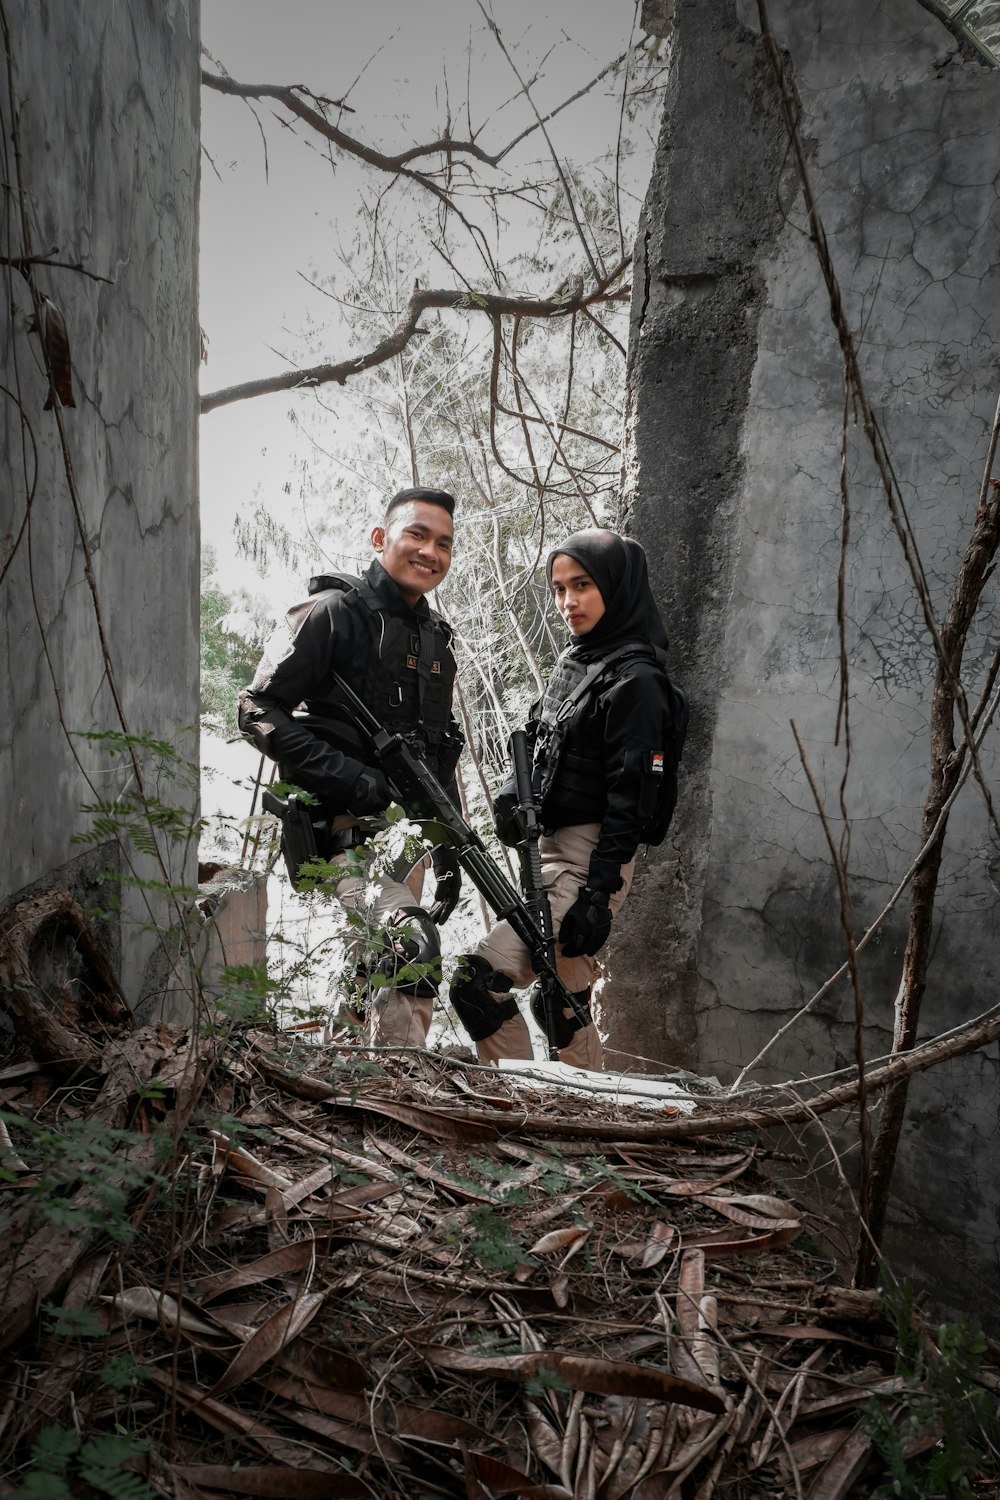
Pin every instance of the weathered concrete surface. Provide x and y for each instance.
(107, 100)
(227, 931)
(734, 429)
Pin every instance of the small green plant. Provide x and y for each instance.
(545, 1380)
(121, 1373)
(84, 1178)
(73, 1322)
(60, 1462)
(930, 1449)
(600, 1172)
(248, 996)
(492, 1243)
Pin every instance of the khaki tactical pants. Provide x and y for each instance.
(565, 857)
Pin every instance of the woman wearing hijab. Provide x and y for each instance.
(607, 734)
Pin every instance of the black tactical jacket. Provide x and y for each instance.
(398, 659)
(611, 761)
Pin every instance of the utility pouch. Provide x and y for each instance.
(298, 834)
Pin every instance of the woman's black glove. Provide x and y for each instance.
(586, 926)
(449, 882)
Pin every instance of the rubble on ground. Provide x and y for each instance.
(298, 1269)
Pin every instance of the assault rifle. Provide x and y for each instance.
(418, 790)
(532, 883)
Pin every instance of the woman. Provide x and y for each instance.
(607, 736)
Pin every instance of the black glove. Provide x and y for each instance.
(370, 794)
(449, 883)
(587, 924)
(507, 819)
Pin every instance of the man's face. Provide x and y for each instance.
(578, 599)
(415, 547)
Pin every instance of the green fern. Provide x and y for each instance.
(941, 1397)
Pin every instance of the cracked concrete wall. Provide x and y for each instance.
(106, 99)
(733, 436)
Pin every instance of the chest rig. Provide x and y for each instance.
(562, 747)
(408, 674)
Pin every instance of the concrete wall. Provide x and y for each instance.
(733, 451)
(107, 108)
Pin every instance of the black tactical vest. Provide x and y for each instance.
(570, 766)
(582, 774)
(406, 681)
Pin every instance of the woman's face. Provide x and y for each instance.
(578, 599)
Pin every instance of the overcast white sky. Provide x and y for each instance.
(264, 229)
(268, 224)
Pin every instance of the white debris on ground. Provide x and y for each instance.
(644, 1090)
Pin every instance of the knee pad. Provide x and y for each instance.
(410, 944)
(566, 1026)
(476, 993)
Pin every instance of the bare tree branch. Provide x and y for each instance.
(494, 305)
(291, 96)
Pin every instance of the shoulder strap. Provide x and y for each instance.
(631, 650)
(321, 583)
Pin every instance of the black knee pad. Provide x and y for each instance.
(566, 1026)
(474, 994)
(410, 943)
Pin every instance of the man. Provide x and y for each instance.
(383, 639)
(607, 736)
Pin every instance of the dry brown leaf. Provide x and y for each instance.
(284, 1262)
(309, 1185)
(267, 1341)
(545, 1442)
(814, 1449)
(347, 1434)
(164, 1310)
(360, 1196)
(503, 1479)
(765, 1203)
(660, 1242)
(716, 1246)
(398, 1418)
(247, 1164)
(561, 1239)
(690, 1290)
(274, 1483)
(582, 1373)
(852, 1395)
(705, 1346)
(691, 1188)
(559, 1287)
(431, 1174)
(841, 1472)
(225, 1419)
(436, 1123)
(730, 1209)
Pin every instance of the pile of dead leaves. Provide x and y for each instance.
(300, 1271)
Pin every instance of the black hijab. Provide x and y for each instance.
(617, 565)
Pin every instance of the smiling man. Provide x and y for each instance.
(379, 634)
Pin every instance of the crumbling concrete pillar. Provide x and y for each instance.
(735, 444)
